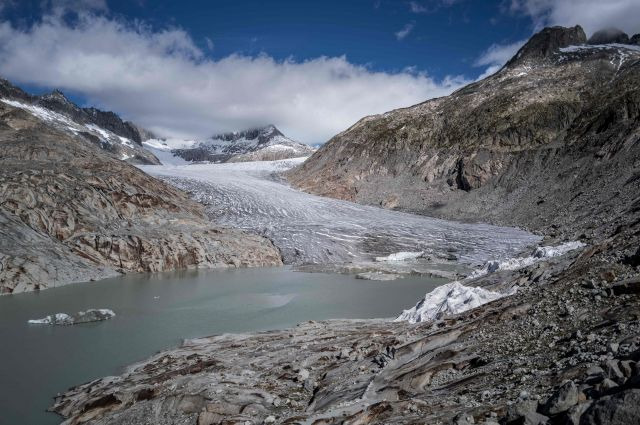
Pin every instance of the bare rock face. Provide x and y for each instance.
(544, 44)
(550, 135)
(70, 212)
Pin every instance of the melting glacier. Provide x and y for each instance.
(311, 230)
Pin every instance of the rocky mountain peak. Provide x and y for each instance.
(263, 134)
(544, 43)
(609, 35)
(57, 95)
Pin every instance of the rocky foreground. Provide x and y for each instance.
(73, 212)
(564, 349)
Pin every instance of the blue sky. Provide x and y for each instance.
(446, 36)
(192, 68)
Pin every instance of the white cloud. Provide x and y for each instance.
(592, 15)
(430, 6)
(404, 32)
(496, 56)
(163, 81)
(416, 7)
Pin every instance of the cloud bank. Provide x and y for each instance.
(496, 56)
(592, 15)
(162, 80)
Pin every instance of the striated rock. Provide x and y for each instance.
(70, 212)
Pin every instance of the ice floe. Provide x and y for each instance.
(91, 315)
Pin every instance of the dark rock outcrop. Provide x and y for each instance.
(609, 35)
(546, 43)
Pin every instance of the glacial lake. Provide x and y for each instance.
(155, 312)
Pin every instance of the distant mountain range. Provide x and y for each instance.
(129, 142)
(256, 144)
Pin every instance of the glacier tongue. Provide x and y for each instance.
(312, 230)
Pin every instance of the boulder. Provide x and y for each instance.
(562, 400)
(619, 409)
(627, 286)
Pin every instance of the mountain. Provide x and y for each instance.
(257, 144)
(72, 211)
(545, 143)
(105, 130)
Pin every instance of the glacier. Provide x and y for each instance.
(317, 231)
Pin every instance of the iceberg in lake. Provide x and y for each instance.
(91, 315)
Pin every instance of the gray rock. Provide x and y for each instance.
(619, 409)
(628, 286)
(573, 415)
(561, 400)
(532, 418)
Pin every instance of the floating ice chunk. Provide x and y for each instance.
(451, 298)
(91, 315)
(54, 319)
(401, 256)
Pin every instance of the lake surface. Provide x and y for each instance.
(155, 312)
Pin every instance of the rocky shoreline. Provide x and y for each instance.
(502, 362)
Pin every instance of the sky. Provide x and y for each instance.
(191, 69)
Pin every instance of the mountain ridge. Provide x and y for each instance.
(486, 151)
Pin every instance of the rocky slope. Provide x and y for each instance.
(72, 212)
(105, 130)
(258, 144)
(541, 143)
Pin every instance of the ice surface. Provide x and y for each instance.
(449, 299)
(538, 254)
(401, 256)
(312, 230)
